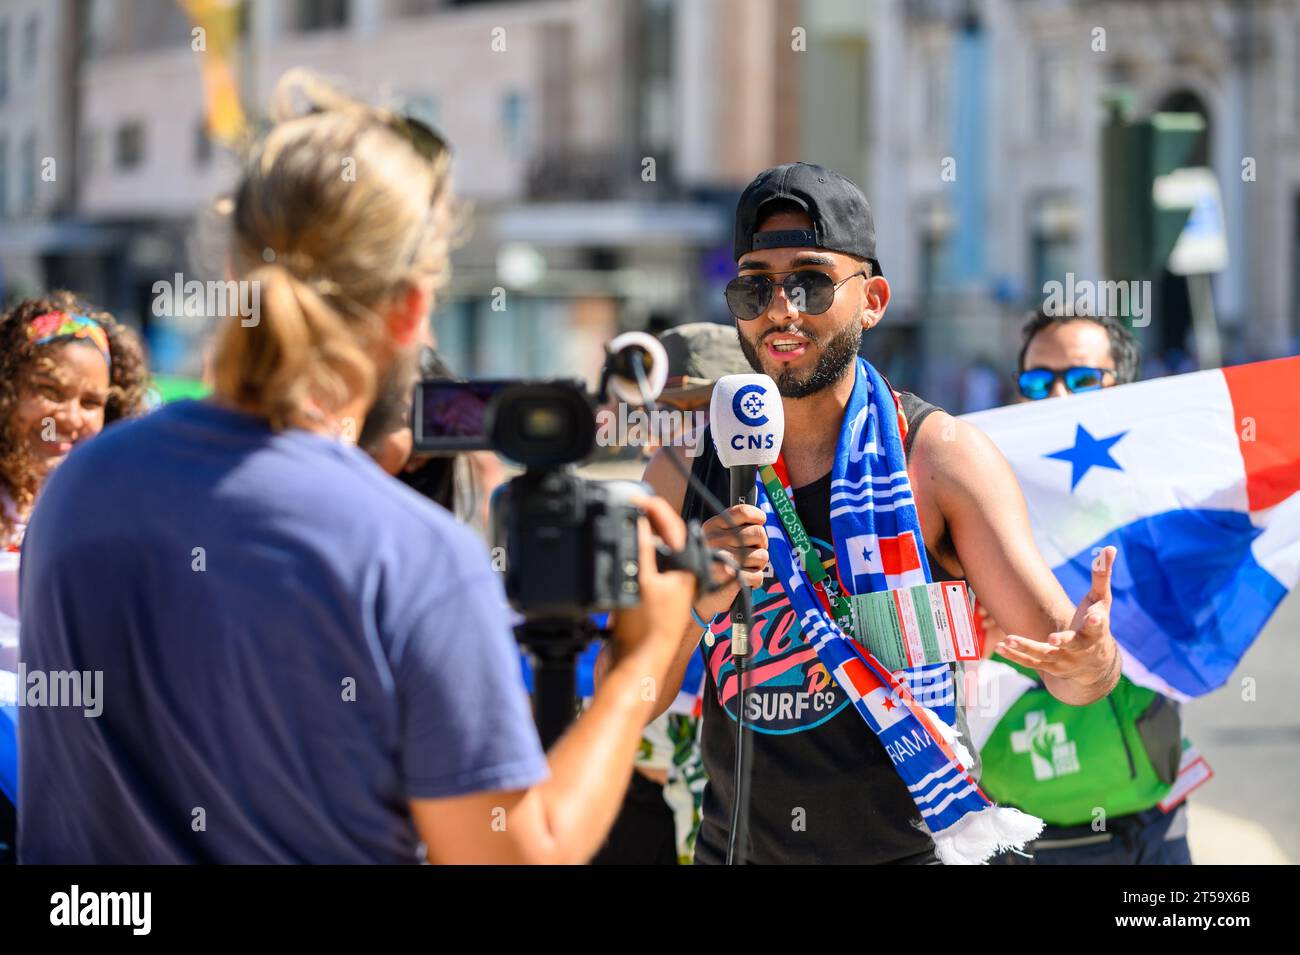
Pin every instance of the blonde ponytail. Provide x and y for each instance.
(301, 353)
(336, 216)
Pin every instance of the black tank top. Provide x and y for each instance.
(823, 788)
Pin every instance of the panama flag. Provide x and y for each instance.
(884, 706)
(895, 557)
(1195, 479)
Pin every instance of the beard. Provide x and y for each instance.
(388, 413)
(837, 355)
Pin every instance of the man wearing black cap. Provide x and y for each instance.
(824, 788)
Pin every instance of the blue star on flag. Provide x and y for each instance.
(1088, 452)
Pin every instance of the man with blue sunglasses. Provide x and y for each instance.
(1125, 746)
(1067, 354)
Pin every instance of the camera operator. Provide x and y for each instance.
(452, 481)
(302, 660)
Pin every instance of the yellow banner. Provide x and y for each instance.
(218, 44)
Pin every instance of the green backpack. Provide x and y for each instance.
(1062, 762)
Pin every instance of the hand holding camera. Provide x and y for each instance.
(654, 625)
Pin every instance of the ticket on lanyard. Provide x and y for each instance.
(1193, 773)
(913, 626)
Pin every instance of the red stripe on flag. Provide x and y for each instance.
(857, 673)
(1265, 408)
(898, 554)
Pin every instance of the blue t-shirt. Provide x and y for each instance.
(292, 645)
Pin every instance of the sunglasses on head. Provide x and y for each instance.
(808, 290)
(1037, 383)
(424, 139)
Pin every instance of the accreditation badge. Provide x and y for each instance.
(913, 626)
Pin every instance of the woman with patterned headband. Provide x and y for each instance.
(65, 373)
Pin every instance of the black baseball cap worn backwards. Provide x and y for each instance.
(839, 212)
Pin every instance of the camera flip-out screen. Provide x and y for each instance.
(450, 416)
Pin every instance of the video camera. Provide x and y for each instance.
(571, 544)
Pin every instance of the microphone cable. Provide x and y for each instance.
(744, 764)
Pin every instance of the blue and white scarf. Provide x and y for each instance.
(912, 712)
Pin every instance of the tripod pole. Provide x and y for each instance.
(555, 648)
(556, 698)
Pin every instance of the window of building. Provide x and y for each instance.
(934, 220)
(414, 8)
(514, 119)
(90, 159)
(533, 338)
(31, 34)
(130, 145)
(652, 61)
(834, 128)
(4, 60)
(4, 176)
(94, 24)
(935, 97)
(202, 143)
(28, 174)
(1055, 94)
(1053, 243)
(322, 14)
(933, 253)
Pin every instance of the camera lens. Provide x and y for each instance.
(541, 423)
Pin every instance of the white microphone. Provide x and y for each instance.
(748, 423)
(747, 420)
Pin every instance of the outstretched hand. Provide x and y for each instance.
(1086, 654)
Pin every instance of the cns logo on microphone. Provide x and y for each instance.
(749, 403)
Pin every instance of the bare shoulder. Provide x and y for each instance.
(950, 455)
(668, 478)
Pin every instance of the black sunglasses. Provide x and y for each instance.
(1037, 383)
(810, 291)
(424, 139)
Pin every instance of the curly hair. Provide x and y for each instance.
(128, 381)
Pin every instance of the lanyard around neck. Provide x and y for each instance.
(805, 552)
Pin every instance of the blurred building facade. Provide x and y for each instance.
(1011, 93)
(39, 226)
(603, 143)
